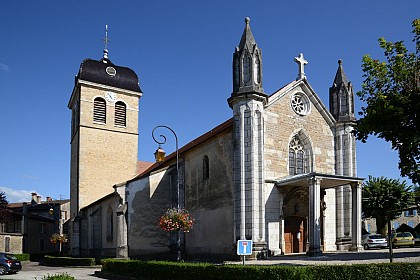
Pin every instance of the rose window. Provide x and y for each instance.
(300, 104)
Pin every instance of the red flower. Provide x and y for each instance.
(176, 219)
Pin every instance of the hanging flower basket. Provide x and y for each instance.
(58, 238)
(176, 219)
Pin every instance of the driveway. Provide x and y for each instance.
(32, 270)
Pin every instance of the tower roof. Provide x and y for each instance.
(247, 38)
(340, 77)
(105, 72)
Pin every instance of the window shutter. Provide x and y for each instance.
(99, 110)
(120, 114)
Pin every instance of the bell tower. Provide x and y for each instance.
(247, 102)
(104, 134)
(342, 108)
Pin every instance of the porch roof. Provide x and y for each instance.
(327, 180)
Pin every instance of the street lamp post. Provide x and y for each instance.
(160, 156)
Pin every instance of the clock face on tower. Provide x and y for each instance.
(110, 96)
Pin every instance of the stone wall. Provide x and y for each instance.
(281, 124)
(147, 201)
(102, 154)
(210, 200)
(108, 153)
(11, 243)
(100, 227)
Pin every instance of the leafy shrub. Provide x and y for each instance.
(174, 270)
(23, 257)
(63, 276)
(68, 261)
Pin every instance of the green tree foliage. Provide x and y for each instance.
(4, 212)
(391, 91)
(381, 195)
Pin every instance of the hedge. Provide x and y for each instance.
(68, 261)
(23, 257)
(151, 270)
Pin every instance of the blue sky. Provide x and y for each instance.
(182, 53)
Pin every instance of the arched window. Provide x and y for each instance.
(296, 157)
(109, 225)
(99, 110)
(246, 66)
(206, 168)
(120, 113)
(257, 69)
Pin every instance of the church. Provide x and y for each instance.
(280, 172)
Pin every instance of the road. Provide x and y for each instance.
(32, 270)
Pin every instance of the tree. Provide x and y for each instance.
(4, 212)
(391, 91)
(381, 195)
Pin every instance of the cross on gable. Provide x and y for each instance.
(301, 64)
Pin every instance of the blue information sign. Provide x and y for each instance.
(244, 247)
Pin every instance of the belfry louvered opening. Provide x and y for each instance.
(99, 110)
(120, 113)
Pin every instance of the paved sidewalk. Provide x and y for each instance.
(345, 257)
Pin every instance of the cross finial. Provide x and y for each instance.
(301, 62)
(106, 40)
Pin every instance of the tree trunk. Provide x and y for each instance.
(381, 226)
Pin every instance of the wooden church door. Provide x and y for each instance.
(294, 235)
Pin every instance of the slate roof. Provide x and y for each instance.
(95, 71)
(340, 76)
(14, 205)
(215, 131)
(247, 38)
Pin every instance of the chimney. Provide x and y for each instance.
(49, 199)
(38, 199)
(34, 198)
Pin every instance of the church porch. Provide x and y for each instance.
(314, 228)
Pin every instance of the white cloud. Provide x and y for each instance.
(4, 67)
(17, 195)
(30, 177)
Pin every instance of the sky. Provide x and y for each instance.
(182, 53)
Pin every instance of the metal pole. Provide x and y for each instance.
(178, 236)
(389, 238)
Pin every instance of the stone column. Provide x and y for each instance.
(281, 223)
(242, 170)
(75, 237)
(340, 212)
(314, 217)
(122, 246)
(356, 231)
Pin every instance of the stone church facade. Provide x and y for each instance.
(281, 172)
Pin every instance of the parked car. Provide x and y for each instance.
(373, 241)
(402, 239)
(9, 264)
